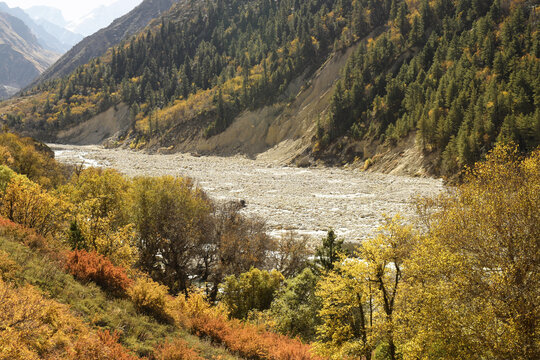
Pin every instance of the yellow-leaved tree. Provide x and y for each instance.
(471, 286)
(359, 296)
(170, 216)
(100, 222)
(28, 204)
(465, 286)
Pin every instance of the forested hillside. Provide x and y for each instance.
(215, 57)
(97, 44)
(461, 75)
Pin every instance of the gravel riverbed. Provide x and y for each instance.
(306, 200)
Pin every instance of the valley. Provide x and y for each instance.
(270, 179)
(305, 200)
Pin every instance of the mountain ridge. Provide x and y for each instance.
(101, 17)
(46, 39)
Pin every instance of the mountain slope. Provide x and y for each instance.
(200, 50)
(460, 79)
(67, 38)
(22, 58)
(450, 78)
(95, 45)
(48, 13)
(45, 39)
(52, 21)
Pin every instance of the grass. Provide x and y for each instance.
(140, 333)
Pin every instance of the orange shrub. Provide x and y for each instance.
(91, 266)
(250, 341)
(23, 235)
(247, 340)
(176, 350)
(104, 346)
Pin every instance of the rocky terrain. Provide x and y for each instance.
(306, 200)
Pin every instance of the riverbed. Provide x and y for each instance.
(308, 201)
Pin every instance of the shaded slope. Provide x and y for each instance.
(22, 58)
(44, 38)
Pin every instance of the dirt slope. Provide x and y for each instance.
(102, 127)
(281, 132)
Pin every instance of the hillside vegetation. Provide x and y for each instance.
(463, 74)
(103, 266)
(79, 261)
(113, 32)
(212, 58)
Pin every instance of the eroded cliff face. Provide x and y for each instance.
(281, 131)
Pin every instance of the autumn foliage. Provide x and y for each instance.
(175, 350)
(101, 346)
(29, 157)
(27, 203)
(247, 340)
(150, 297)
(90, 266)
(463, 284)
(33, 327)
(22, 234)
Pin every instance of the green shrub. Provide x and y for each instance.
(252, 290)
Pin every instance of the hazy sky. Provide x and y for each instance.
(71, 9)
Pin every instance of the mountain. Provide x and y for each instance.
(67, 38)
(102, 17)
(97, 44)
(22, 58)
(51, 14)
(52, 21)
(44, 38)
(392, 84)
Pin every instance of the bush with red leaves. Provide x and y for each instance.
(24, 235)
(250, 341)
(91, 266)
